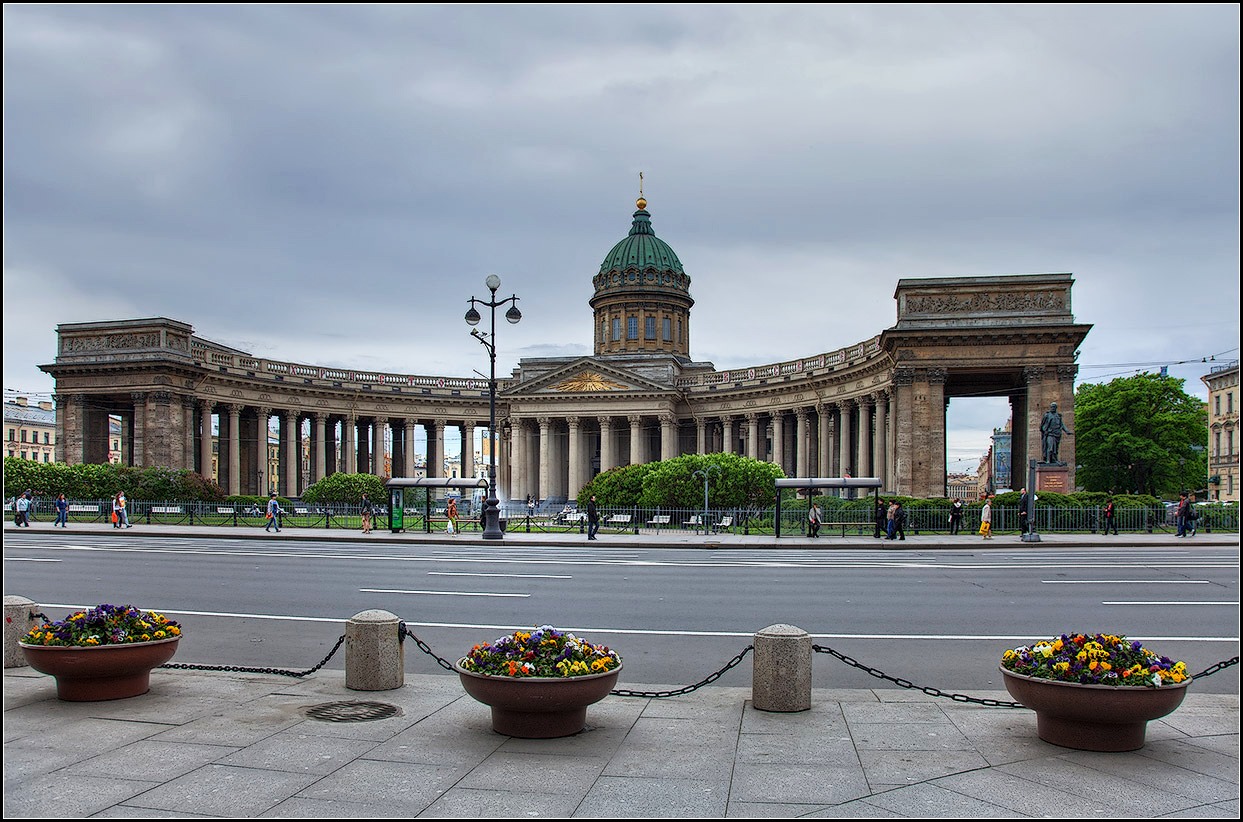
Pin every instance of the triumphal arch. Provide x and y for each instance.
(872, 409)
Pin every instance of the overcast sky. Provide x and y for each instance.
(329, 184)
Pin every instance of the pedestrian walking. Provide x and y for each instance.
(593, 518)
(367, 510)
(880, 518)
(530, 506)
(451, 515)
(1023, 503)
(891, 525)
(21, 511)
(62, 512)
(814, 518)
(986, 518)
(274, 513)
(1180, 515)
(120, 514)
(955, 516)
(30, 506)
(1111, 517)
(899, 521)
(1192, 514)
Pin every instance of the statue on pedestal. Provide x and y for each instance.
(1051, 430)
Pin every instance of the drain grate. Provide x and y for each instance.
(351, 711)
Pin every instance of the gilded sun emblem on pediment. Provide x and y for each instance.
(587, 381)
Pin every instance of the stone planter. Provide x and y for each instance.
(100, 672)
(538, 707)
(1093, 717)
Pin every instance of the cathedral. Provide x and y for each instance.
(872, 409)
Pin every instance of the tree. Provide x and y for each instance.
(740, 482)
(1141, 434)
(340, 487)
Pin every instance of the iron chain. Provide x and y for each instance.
(992, 703)
(680, 691)
(239, 669)
(404, 632)
(1212, 669)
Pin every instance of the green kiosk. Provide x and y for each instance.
(397, 497)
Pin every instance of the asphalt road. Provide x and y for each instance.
(938, 618)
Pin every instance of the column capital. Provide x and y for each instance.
(751, 416)
(543, 421)
(1033, 373)
(937, 375)
(634, 419)
(162, 397)
(668, 419)
(1067, 373)
(573, 421)
(263, 411)
(904, 375)
(138, 397)
(235, 409)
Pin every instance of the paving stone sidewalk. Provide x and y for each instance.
(216, 744)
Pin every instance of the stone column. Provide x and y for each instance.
(668, 436)
(801, 443)
(701, 436)
(349, 443)
(728, 441)
(863, 461)
(205, 440)
(467, 458)
(825, 467)
(608, 459)
(235, 449)
(935, 477)
(844, 409)
(636, 438)
(545, 457)
(377, 446)
(878, 436)
(574, 459)
(904, 439)
(521, 485)
(779, 440)
(321, 447)
(504, 460)
(139, 420)
(262, 465)
(891, 446)
(1066, 405)
(753, 435)
(291, 446)
(436, 443)
(408, 445)
(187, 452)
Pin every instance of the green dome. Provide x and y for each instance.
(642, 249)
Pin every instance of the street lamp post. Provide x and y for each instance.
(491, 506)
(704, 474)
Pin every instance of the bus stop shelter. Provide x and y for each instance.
(397, 487)
(808, 483)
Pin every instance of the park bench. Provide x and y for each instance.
(725, 523)
(658, 520)
(83, 509)
(694, 522)
(224, 509)
(618, 520)
(166, 509)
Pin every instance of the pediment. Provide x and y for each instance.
(588, 376)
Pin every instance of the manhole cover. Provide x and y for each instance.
(351, 711)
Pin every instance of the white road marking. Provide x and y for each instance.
(439, 593)
(511, 576)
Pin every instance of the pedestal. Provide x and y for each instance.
(1053, 478)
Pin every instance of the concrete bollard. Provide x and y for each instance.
(781, 679)
(17, 622)
(375, 658)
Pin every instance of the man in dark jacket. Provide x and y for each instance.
(880, 518)
(593, 518)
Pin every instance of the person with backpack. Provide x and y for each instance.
(21, 511)
(814, 518)
(955, 516)
(367, 510)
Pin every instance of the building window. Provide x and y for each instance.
(679, 332)
(1229, 402)
(667, 329)
(1217, 405)
(1216, 443)
(23, 435)
(45, 456)
(616, 329)
(24, 455)
(12, 435)
(46, 436)
(649, 328)
(632, 328)
(604, 330)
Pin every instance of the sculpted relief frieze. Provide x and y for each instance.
(1007, 301)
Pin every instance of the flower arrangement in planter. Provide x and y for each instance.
(1101, 659)
(1094, 692)
(539, 683)
(104, 625)
(105, 652)
(542, 652)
